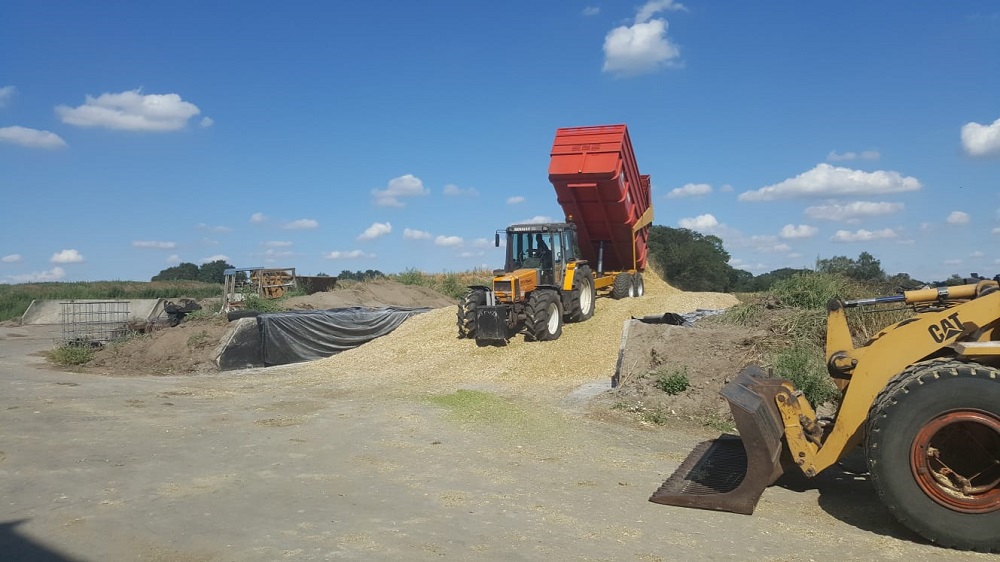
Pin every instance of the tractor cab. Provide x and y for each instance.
(546, 248)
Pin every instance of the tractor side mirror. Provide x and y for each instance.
(496, 241)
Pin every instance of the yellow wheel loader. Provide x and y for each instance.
(921, 398)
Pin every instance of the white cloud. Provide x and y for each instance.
(211, 228)
(653, 7)
(7, 94)
(376, 230)
(258, 218)
(701, 222)
(31, 138)
(981, 140)
(448, 241)
(206, 122)
(996, 230)
(482, 242)
(54, 274)
(800, 231)
(403, 186)
(455, 191)
(835, 156)
(952, 261)
(690, 190)
(768, 245)
(350, 255)
(301, 224)
(216, 257)
(977, 254)
(66, 256)
(173, 259)
(515, 200)
(11, 258)
(591, 10)
(413, 234)
(277, 244)
(863, 235)
(852, 211)
(958, 217)
(159, 245)
(537, 219)
(641, 48)
(131, 111)
(829, 181)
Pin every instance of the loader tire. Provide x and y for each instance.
(929, 429)
(622, 286)
(543, 316)
(581, 301)
(467, 313)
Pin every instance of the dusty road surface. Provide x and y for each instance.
(331, 460)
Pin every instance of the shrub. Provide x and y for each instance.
(673, 382)
(412, 276)
(803, 364)
(252, 301)
(810, 290)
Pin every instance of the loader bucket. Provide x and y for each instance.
(730, 473)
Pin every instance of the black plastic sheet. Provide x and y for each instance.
(296, 336)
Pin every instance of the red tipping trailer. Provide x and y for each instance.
(599, 187)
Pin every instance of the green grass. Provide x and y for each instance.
(452, 284)
(71, 355)
(483, 410)
(14, 299)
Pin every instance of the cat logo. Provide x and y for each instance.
(949, 328)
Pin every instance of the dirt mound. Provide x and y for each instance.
(191, 346)
(373, 294)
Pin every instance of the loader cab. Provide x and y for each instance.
(547, 248)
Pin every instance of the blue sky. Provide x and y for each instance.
(392, 135)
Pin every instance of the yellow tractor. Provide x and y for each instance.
(921, 399)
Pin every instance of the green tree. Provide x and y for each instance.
(865, 268)
(185, 271)
(214, 271)
(691, 261)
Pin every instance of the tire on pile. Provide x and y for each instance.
(930, 427)
(467, 312)
(581, 300)
(543, 316)
(622, 286)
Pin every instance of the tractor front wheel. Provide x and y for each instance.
(933, 448)
(467, 312)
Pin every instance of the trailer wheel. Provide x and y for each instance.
(581, 305)
(933, 448)
(467, 313)
(640, 287)
(543, 316)
(622, 286)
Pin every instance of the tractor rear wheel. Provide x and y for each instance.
(581, 305)
(467, 312)
(933, 447)
(622, 286)
(543, 315)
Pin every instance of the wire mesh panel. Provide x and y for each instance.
(94, 322)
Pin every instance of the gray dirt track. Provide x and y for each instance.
(231, 467)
